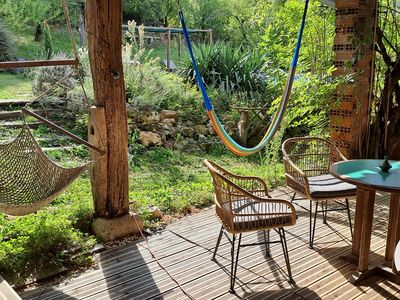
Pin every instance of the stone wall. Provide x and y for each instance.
(166, 128)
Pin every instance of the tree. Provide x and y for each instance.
(21, 13)
(385, 116)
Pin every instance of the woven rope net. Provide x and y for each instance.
(29, 180)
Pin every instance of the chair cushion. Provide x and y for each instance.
(326, 186)
(258, 222)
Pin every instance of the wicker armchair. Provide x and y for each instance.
(242, 205)
(307, 161)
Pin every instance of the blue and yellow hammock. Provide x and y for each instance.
(276, 121)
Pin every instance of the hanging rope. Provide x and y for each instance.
(276, 121)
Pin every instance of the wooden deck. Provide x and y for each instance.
(185, 249)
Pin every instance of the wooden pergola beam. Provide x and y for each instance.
(37, 63)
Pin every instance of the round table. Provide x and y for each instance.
(368, 177)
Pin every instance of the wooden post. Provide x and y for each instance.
(108, 125)
(179, 46)
(210, 36)
(243, 127)
(169, 50)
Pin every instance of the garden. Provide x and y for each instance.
(244, 68)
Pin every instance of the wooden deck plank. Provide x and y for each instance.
(185, 249)
(249, 264)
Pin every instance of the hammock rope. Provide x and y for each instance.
(231, 144)
(29, 180)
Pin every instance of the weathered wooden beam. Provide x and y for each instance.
(37, 63)
(109, 128)
(103, 25)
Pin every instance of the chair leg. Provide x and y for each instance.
(349, 215)
(234, 262)
(218, 242)
(294, 195)
(312, 228)
(285, 249)
(266, 240)
(324, 211)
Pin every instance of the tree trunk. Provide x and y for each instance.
(38, 33)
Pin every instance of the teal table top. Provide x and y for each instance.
(366, 173)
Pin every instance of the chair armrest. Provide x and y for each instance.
(295, 174)
(252, 184)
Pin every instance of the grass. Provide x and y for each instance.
(28, 49)
(14, 86)
(60, 234)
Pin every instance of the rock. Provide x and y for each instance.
(200, 129)
(187, 131)
(168, 114)
(155, 211)
(148, 138)
(114, 228)
(169, 121)
(181, 145)
(201, 138)
(149, 117)
(210, 128)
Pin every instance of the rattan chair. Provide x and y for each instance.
(242, 205)
(307, 161)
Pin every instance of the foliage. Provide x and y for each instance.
(47, 239)
(22, 13)
(48, 44)
(56, 83)
(233, 70)
(384, 128)
(148, 84)
(6, 47)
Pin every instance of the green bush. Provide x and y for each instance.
(147, 84)
(48, 43)
(233, 70)
(6, 48)
(55, 236)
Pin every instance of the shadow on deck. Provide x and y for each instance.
(185, 250)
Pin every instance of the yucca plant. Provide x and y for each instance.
(230, 69)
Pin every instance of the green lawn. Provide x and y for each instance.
(27, 48)
(15, 86)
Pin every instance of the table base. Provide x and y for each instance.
(356, 277)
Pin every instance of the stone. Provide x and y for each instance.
(187, 131)
(200, 129)
(114, 228)
(155, 211)
(168, 114)
(148, 138)
(169, 121)
(201, 138)
(181, 145)
(149, 117)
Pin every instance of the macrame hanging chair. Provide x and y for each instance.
(29, 180)
(228, 141)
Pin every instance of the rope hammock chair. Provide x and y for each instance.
(29, 180)
(276, 121)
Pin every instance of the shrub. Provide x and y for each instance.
(232, 69)
(48, 44)
(6, 48)
(147, 84)
(61, 95)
